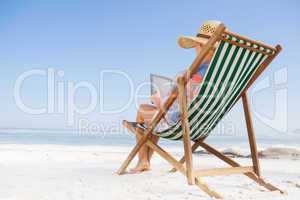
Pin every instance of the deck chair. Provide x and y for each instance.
(236, 64)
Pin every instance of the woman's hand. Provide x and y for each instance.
(156, 99)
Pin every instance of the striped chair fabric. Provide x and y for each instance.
(229, 72)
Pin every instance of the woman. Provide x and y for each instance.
(146, 111)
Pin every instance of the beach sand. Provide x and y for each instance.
(40, 172)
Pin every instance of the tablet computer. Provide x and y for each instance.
(161, 84)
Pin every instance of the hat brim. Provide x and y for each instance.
(190, 42)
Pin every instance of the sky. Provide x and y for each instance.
(80, 40)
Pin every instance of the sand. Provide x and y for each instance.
(40, 172)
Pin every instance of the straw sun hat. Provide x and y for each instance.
(205, 32)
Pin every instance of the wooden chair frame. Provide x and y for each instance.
(185, 165)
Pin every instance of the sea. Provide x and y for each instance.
(75, 138)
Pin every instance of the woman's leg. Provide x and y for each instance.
(144, 115)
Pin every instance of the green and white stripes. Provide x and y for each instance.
(228, 74)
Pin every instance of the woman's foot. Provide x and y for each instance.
(140, 167)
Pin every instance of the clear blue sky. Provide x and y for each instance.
(139, 37)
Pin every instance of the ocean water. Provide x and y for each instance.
(73, 138)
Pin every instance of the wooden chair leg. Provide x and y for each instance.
(177, 165)
(133, 153)
(251, 136)
(185, 130)
(231, 162)
(182, 160)
(202, 185)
